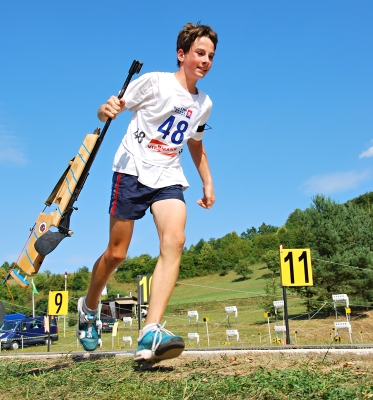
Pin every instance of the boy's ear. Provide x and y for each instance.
(180, 55)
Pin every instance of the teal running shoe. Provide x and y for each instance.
(157, 345)
(86, 331)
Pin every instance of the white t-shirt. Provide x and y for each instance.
(165, 117)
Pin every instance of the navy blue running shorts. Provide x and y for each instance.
(130, 199)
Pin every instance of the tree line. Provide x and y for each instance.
(340, 237)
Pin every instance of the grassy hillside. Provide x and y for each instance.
(207, 288)
(210, 295)
(219, 288)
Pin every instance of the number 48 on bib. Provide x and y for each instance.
(296, 269)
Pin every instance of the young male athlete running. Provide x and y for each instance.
(169, 112)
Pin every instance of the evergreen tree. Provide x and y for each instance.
(249, 233)
(340, 237)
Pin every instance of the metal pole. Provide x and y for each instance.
(100, 323)
(49, 334)
(207, 331)
(139, 305)
(64, 317)
(286, 315)
(33, 299)
(269, 331)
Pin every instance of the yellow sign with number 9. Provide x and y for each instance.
(58, 303)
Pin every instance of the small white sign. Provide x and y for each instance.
(193, 336)
(280, 328)
(342, 325)
(127, 320)
(193, 314)
(338, 298)
(127, 339)
(232, 333)
(278, 303)
(231, 309)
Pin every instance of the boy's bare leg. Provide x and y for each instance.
(120, 238)
(87, 329)
(169, 217)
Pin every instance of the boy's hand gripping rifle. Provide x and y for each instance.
(42, 240)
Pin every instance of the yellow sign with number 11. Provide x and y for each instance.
(296, 269)
(58, 303)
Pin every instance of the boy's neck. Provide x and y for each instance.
(187, 84)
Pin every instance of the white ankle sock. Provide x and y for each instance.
(88, 310)
(149, 328)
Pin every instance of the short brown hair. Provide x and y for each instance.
(190, 33)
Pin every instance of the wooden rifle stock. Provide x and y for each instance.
(42, 240)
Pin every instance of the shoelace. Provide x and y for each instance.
(88, 319)
(89, 331)
(158, 334)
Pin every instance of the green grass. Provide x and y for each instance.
(209, 296)
(260, 376)
(219, 288)
(252, 327)
(270, 377)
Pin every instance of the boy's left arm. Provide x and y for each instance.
(199, 157)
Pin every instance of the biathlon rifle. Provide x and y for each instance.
(42, 240)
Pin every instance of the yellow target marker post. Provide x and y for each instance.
(144, 283)
(206, 320)
(296, 270)
(58, 304)
(267, 315)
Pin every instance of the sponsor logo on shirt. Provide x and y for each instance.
(183, 111)
(162, 148)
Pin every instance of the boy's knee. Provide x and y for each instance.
(176, 240)
(180, 240)
(115, 256)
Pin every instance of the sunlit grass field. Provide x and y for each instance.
(196, 375)
(209, 296)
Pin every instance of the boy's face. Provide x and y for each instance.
(198, 61)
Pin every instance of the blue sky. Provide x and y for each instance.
(291, 84)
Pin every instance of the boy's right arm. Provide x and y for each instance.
(111, 108)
